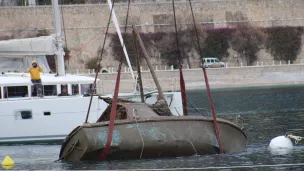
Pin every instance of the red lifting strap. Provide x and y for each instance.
(212, 109)
(103, 155)
(183, 91)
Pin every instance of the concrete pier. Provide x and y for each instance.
(218, 78)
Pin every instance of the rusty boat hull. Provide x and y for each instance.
(153, 137)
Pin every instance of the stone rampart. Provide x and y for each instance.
(84, 25)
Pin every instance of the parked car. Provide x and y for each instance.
(211, 62)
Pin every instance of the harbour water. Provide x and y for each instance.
(265, 113)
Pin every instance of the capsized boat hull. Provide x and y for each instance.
(153, 137)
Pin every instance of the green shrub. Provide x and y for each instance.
(284, 43)
(163, 43)
(95, 62)
(217, 43)
(43, 32)
(117, 49)
(247, 41)
(92, 64)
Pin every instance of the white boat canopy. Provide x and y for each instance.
(17, 54)
(38, 46)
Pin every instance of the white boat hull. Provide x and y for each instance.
(66, 113)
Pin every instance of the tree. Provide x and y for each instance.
(94, 62)
(284, 43)
(117, 49)
(163, 43)
(217, 43)
(49, 2)
(247, 41)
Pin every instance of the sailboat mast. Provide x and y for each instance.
(57, 27)
(114, 18)
(146, 56)
(138, 71)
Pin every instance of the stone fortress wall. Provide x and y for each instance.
(85, 24)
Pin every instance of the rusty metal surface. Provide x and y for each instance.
(145, 134)
(155, 139)
(164, 118)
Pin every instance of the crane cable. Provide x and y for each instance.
(181, 80)
(105, 151)
(99, 58)
(207, 85)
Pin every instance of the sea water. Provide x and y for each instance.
(266, 112)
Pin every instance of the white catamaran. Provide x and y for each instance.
(26, 118)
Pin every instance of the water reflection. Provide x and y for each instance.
(250, 100)
(281, 151)
(261, 129)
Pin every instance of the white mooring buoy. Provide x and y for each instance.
(280, 145)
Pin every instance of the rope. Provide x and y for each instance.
(142, 140)
(181, 80)
(296, 138)
(192, 146)
(126, 21)
(208, 88)
(83, 46)
(99, 60)
(195, 29)
(193, 106)
(69, 151)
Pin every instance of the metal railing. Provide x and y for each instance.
(110, 70)
(161, 67)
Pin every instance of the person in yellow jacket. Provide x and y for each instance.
(35, 77)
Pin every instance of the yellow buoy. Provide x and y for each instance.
(8, 162)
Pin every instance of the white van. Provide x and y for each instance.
(210, 62)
